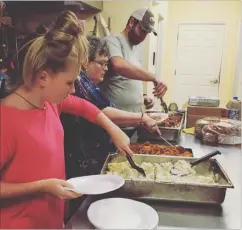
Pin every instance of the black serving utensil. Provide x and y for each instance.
(177, 172)
(164, 105)
(134, 166)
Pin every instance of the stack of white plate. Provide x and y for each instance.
(120, 213)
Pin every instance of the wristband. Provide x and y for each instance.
(141, 119)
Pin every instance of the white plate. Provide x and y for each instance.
(96, 184)
(120, 213)
(129, 128)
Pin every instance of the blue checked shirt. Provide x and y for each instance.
(86, 89)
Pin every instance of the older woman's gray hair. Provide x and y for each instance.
(96, 46)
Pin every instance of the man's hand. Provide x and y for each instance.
(148, 102)
(159, 89)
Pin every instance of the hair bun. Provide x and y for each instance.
(41, 30)
(66, 27)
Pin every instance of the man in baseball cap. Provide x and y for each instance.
(146, 19)
(122, 83)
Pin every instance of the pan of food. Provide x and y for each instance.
(157, 149)
(170, 126)
(206, 182)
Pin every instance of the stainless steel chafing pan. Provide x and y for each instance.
(174, 191)
(169, 133)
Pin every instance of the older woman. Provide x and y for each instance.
(87, 145)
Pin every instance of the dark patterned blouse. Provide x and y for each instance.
(86, 145)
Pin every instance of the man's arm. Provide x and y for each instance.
(131, 71)
(123, 67)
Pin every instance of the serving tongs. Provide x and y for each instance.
(177, 172)
(134, 166)
(162, 102)
(164, 105)
(169, 143)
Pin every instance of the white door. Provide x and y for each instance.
(238, 69)
(198, 61)
(239, 90)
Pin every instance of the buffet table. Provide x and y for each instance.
(186, 215)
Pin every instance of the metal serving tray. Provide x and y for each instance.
(170, 134)
(175, 191)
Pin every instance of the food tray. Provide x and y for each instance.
(170, 134)
(171, 191)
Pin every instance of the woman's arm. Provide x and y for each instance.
(54, 187)
(80, 107)
(10, 190)
(124, 118)
(119, 138)
(121, 117)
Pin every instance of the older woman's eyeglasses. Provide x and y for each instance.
(103, 64)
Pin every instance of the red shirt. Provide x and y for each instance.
(32, 149)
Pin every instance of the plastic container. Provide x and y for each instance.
(234, 107)
(217, 130)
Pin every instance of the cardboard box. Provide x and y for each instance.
(192, 119)
(195, 113)
(202, 110)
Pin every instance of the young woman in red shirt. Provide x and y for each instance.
(31, 142)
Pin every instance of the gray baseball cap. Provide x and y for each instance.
(146, 19)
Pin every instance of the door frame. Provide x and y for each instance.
(176, 34)
(160, 49)
(157, 66)
(238, 66)
(159, 56)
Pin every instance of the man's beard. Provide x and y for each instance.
(133, 38)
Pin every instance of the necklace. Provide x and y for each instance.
(30, 102)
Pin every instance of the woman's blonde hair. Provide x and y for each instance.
(64, 42)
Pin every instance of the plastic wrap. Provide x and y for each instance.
(171, 119)
(215, 130)
(159, 117)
